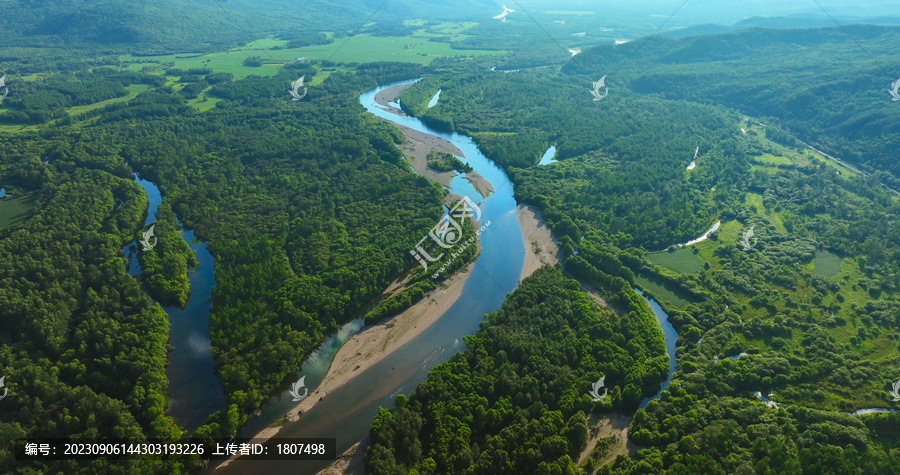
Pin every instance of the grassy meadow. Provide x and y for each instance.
(417, 48)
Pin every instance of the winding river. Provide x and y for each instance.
(348, 411)
(194, 389)
(670, 336)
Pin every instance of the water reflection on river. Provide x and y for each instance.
(194, 389)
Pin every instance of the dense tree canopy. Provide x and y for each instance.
(515, 401)
(810, 312)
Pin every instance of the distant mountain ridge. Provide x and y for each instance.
(827, 86)
(780, 23)
(182, 25)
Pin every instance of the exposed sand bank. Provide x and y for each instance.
(540, 248)
(374, 343)
(385, 97)
(419, 144)
(416, 149)
(481, 185)
(351, 463)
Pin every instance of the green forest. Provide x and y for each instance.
(809, 316)
(516, 400)
(165, 267)
(304, 227)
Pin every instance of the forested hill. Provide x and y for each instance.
(787, 22)
(828, 87)
(184, 25)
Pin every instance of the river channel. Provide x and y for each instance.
(194, 389)
(347, 412)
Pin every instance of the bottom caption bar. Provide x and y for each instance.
(146, 449)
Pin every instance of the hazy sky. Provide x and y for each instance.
(716, 11)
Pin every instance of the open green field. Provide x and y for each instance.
(447, 29)
(33, 77)
(826, 264)
(360, 48)
(770, 159)
(133, 90)
(15, 129)
(765, 169)
(15, 210)
(728, 234)
(755, 201)
(788, 155)
(204, 102)
(659, 292)
(682, 260)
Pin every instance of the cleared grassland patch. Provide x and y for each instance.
(324, 74)
(727, 235)
(768, 158)
(826, 264)
(452, 29)
(659, 292)
(454, 26)
(204, 102)
(360, 48)
(681, 260)
(366, 49)
(755, 201)
(16, 128)
(33, 77)
(882, 349)
(765, 169)
(15, 210)
(133, 90)
(802, 156)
